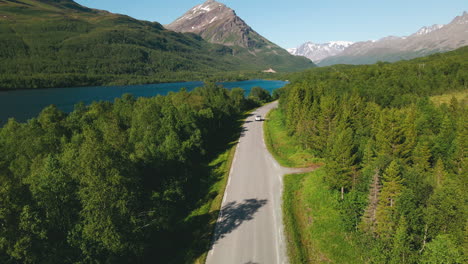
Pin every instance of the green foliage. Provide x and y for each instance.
(313, 223)
(112, 182)
(286, 150)
(260, 95)
(442, 250)
(446, 211)
(340, 159)
(392, 84)
(386, 213)
(382, 138)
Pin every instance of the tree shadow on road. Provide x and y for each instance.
(233, 214)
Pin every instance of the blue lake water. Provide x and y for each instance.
(25, 104)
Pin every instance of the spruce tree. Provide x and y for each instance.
(386, 215)
(401, 243)
(340, 160)
(439, 175)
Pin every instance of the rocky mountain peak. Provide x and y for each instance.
(462, 20)
(217, 23)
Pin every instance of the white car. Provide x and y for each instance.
(258, 118)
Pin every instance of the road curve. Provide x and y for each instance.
(249, 229)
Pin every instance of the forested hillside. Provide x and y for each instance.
(61, 44)
(115, 182)
(396, 161)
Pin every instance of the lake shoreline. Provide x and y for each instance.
(27, 103)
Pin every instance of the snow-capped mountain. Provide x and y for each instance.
(427, 30)
(427, 40)
(317, 52)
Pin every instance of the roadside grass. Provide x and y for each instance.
(221, 166)
(314, 229)
(286, 150)
(461, 96)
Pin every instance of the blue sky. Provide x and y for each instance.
(290, 23)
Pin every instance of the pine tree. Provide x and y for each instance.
(390, 134)
(421, 157)
(460, 155)
(444, 147)
(340, 160)
(386, 215)
(326, 119)
(409, 132)
(439, 175)
(369, 153)
(401, 244)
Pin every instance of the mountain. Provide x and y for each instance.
(318, 52)
(427, 40)
(219, 24)
(60, 43)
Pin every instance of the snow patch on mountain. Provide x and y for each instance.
(198, 10)
(427, 30)
(213, 19)
(317, 52)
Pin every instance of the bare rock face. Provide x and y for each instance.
(219, 24)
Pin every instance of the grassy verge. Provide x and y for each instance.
(286, 150)
(314, 229)
(461, 96)
(201, 222)
(221, 166)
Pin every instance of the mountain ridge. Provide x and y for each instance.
(427, 40)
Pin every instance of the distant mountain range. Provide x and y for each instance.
(427, 40)
(219, 24)
(318, 52)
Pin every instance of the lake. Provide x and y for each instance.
(25, 104)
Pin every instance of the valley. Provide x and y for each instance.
(200, 139)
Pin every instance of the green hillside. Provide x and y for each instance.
(61, 43)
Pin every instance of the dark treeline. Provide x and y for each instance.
(396, 160)
(111, 182)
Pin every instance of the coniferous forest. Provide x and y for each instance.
(396, 160)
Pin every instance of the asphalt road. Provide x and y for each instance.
(250, 228)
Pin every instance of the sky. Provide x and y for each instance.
(290, 23)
